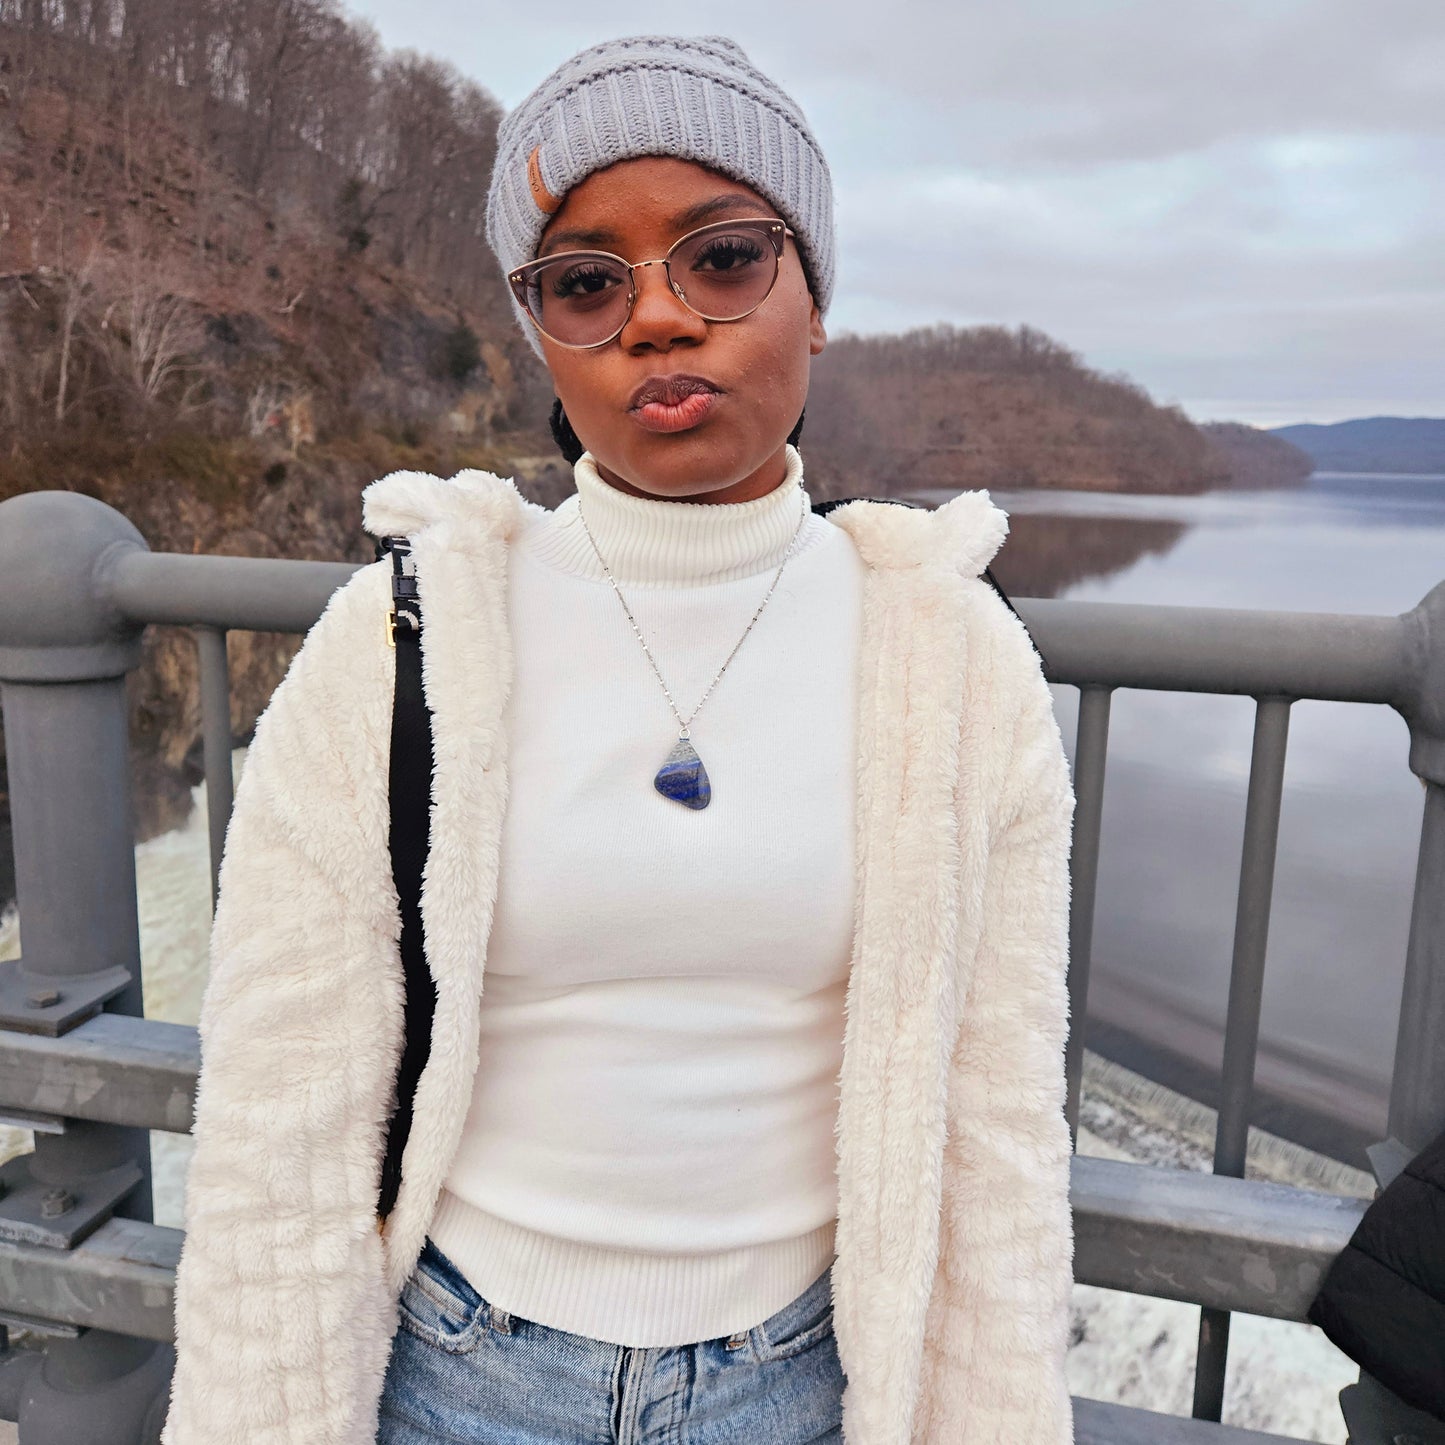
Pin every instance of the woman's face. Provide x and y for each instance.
(736, 451)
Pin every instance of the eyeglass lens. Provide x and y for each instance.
(583, 299)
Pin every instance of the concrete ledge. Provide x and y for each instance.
(1098, 1423)
(121, 1278)
(1230, 1244)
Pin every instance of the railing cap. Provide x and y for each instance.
(57, 620)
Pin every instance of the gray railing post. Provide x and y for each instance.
(216, 742)
(1374, 1414)
(1417, 1092)
(65, 650)
(1246, 989)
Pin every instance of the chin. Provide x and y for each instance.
(681, 465)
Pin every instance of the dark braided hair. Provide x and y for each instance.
(571, 446)
(562, 433)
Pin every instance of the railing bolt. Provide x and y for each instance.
(43, 997)
(55, 1203)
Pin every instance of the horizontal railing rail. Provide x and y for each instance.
(1172, 1234)
(111, 1069)
(1097, 1423)
(1335, 656)
(80, 1066)
(1349, 657)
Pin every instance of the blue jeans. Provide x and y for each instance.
(465, 1373)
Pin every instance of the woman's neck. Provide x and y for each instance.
(759, 483)
(645, 540)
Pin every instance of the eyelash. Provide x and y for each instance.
(562, 286)
(733, 247)
(724, 248)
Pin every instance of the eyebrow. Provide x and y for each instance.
(684, 221)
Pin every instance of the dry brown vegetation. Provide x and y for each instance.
(244, 220)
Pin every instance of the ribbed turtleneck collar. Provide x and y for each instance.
(653, 542)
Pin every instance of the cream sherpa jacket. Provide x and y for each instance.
(954, 1242)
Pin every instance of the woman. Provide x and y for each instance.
(756, 824)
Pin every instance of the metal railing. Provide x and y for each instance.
(82, 1265)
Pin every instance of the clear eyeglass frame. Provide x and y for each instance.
(775, 230)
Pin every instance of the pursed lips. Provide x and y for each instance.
(670, 390)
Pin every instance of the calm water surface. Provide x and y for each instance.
(1175, 794)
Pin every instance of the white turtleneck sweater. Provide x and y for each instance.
(648, 1157)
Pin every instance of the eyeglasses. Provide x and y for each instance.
(721, 272)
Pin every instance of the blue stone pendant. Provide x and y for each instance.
(683, 778)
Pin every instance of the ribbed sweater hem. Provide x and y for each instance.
(621, 1296)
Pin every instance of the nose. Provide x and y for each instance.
(660, 318)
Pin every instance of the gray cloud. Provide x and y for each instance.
(1068, 83)
(1239, 204)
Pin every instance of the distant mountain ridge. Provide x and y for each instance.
(1372, 444)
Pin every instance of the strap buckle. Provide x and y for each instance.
(403, 586)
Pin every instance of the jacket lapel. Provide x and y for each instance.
(908, 970)
(460, 531)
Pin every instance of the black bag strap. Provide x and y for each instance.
(410, 779)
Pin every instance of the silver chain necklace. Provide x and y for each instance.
(682, 777)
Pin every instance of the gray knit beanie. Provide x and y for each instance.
(698, 98)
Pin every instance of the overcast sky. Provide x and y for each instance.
(1241, 203)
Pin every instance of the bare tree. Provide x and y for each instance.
(154, 333)
(78, 288)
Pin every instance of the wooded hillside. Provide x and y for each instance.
(242, 222)
(985, 406)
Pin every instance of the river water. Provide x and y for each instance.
(1176, 780)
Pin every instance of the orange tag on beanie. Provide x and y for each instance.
(544, 198)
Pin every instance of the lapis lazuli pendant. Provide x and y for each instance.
(683, 778)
